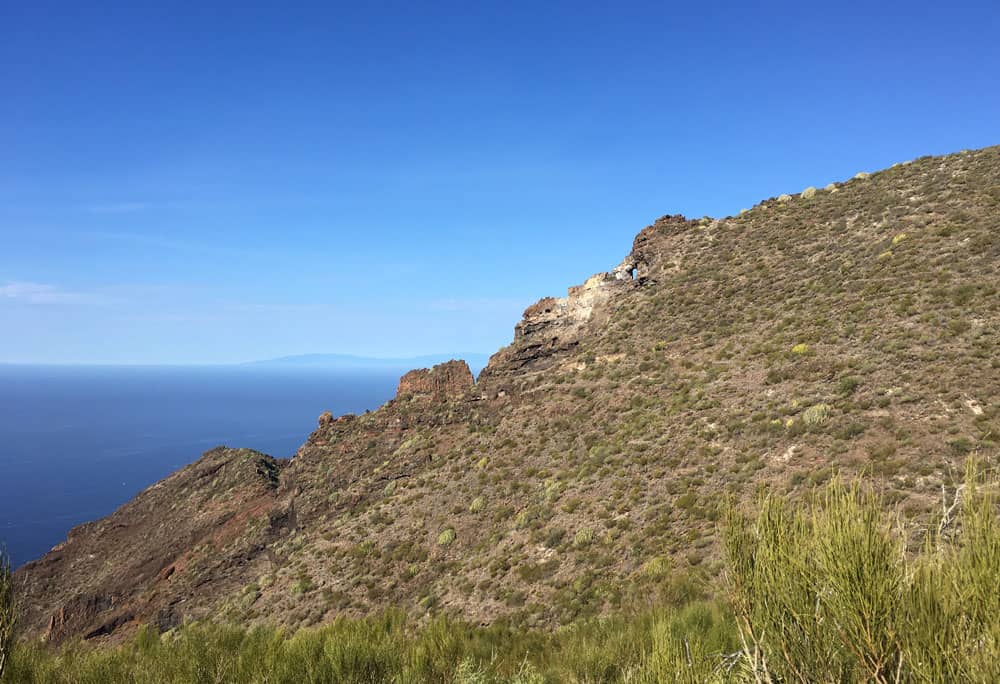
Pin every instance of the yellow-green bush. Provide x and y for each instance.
(824, 591)
(446, 537)
(816, 415)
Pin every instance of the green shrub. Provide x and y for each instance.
(823, 591)
(658, 567)
(848, 385)
(446, 537)
(961, 445)
(303, 585)
(686, 501)
(816, 415)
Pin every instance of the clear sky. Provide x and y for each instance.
(210, 182)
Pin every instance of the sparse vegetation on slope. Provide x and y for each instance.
(818, 591)
(770, 350)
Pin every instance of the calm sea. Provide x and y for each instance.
(77, 442)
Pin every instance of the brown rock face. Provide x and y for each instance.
(149, 560)
(554, 325)
(450, 380)
(79, 614)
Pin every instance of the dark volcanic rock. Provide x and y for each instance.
(450, 380)
(77, 615)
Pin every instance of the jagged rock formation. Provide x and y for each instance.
(553, 326)
(444, 381)
(847, 329)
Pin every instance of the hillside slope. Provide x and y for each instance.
(853, 328)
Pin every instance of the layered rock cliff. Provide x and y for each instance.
(553, 326)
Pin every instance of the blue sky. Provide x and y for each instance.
(201, 184)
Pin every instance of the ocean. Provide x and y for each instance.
(77, 442)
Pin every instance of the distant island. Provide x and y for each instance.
(476, 361)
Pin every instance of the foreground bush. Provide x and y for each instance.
(825, 592)
(820, 591)
(644, 648)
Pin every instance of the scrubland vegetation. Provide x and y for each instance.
(844, 331)
(829, 587)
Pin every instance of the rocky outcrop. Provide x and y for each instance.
(77, 616)
(556, 324)
(445, 381)
(648, 248)
(148, 560)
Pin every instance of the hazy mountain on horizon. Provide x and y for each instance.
(476, 361)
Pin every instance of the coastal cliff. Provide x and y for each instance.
(848, 329)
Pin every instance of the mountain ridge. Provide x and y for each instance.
(849, 329)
